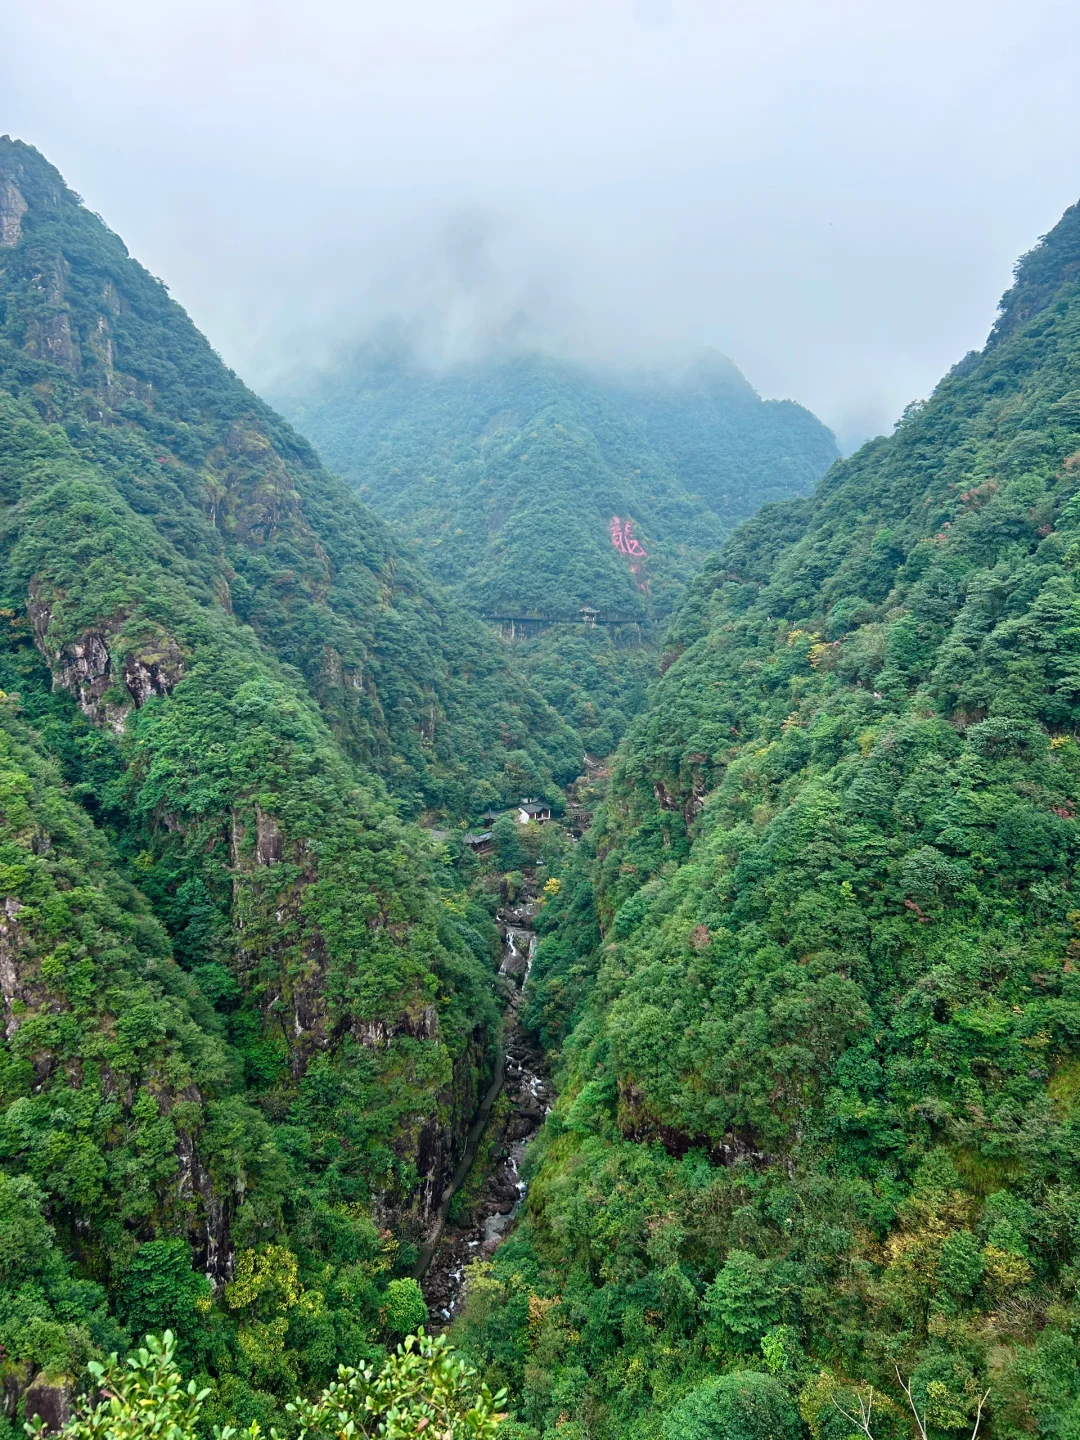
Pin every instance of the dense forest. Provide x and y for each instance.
(812, 976)
(534, 487)
(807, 984)
(248, 1000)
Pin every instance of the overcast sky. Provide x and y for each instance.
(833, 192)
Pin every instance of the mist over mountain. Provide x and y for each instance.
(818, 191)
(506, 475)
(547, 494)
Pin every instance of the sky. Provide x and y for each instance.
(832, 192)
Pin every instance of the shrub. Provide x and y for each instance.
(744, 1405)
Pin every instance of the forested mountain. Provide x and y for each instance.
(247, 1005)
(815, 969)
(538, 488)
(515, 478)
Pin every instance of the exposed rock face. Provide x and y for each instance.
(442, 1141)
(196, 1183)
(85, 667)
(51, 1402)
(269, 841)
(55, 342)
(12, 209)
(10, 986)
(86, 672)
(377, 1034)
(156, 672)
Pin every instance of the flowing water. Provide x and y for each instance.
(493, 1205)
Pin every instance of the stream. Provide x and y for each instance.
(492, 1203)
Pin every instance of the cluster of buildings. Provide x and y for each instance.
(480, 842)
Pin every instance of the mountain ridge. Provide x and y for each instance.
(813, 970)
(249, 1005)
(549, 453)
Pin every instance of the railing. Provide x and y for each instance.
(531, 624)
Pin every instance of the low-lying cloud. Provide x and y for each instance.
(832, 193)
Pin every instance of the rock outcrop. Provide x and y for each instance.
(12, 209)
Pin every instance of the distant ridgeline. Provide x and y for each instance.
(536, 487)
(815, 969)
(539, 490)
(246, 1007)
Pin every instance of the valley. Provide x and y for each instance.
(486, 1195)
(569, 506)
(547, 854)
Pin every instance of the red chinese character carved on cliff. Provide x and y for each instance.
(623, 537)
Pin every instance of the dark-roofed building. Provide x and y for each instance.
(533, 810)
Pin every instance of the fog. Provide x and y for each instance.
(833, 192)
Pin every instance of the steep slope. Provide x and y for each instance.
(248, 1007)
(407, 681)
(819, 1108)
(508, 476)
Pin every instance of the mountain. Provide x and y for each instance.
(248, 1003)
(814, 970)
(535, 487)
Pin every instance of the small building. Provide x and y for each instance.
(533, 810)
(480, 843)
(489, 817)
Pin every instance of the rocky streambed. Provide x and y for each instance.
(486, 1193)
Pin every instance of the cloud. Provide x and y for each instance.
(832, 193)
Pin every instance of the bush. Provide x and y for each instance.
(745, 1405)
(422, 1388)
(405, 1308)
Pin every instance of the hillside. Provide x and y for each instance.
(814, 970)
(535, 488)
(508, 476)
(248, 1005)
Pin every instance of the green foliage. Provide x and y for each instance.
(504, 476)
(423, 1386)
(744, 1405)
(742, 1301)
(160, 1291)
(509, 854)
(144, 1396)
(821, 1055)
(405, 1308)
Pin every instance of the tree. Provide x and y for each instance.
(160, 1290)
(405, 1308)
(508, 851)
(744, 1405)
(742, 1300)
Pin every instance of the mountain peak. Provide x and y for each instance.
(28, 184)
(1039, 275)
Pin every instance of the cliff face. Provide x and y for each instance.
(247, 1005)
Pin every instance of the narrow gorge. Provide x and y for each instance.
(482, 1202)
